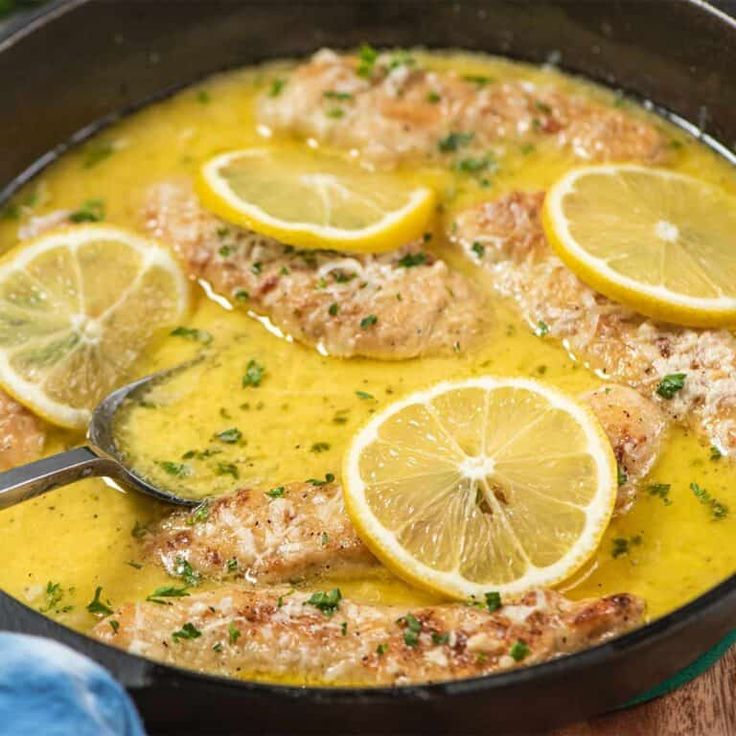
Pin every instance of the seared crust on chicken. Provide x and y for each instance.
(610, 338)
(395, 110)
(279, 535)
(235, 631)
(21, 434)
(394, 306)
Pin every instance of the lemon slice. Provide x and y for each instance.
(313, 200)
(485, 484)
(77, 306)
(661, 243)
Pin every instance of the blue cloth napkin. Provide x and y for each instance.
(48, 689)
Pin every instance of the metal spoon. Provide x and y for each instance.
(100, 457)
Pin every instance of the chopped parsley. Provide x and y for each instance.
(334, 308)
(166, 592)
(327, 602)
(438, 638)
(241, 295)
(493, 601)
(231, 564)
(478, 248)
(365, 395)
(97, 607)
(217, 647)
(277, 86)
(479, 79)
(93, 210)
(180, 470)
(188, 631)
(718, 510)
(381, 649)
(332, 94)
(233, 633)
(433, 97)
(229, 436)
(621, 475)
(320, 447)
(622, 546)
(54, 595)
(200, 514)
(344, 628)
(114, 625)
(412, 630)
(277, 492)
(186, 572)
(671, 384)
(527, 148)
(543, 107)
(254, 373)
(335, 112)
(542, 329)
(453, 141)
(473, 165)
(329, 478)
(96, 152)
(139, 530)
(223, 468)
(368, 321)
(325, 538)
(660, 490)
(192, 333)
(412, 259)
(519, 650)
(367, 57)
(715, 453)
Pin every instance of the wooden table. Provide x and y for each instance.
(704, 707)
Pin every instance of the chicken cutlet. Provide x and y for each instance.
(21, 434)
(506, 237)
(320, 637)
(296, 530)
(390, 110)
(398, 305)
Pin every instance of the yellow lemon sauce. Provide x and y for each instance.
(57, 549)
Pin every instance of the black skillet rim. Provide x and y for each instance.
(723, 594)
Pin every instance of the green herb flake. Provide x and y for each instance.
(329, 478)
(622, 546)
(277, 492)
(114, 625)
(167, 592)
(365, 396)
(671, 384)
(542, 329)
(479, 249)
(519, 650)
(660, 490)
(493, 601)
(327, 602)
(93, 210)
(320, 447)
(233, 633)
(231, 469)
(412, 629)
(241, 295)
(621, 475)
(200, 514)
(367, 57)
(479, 79)
(217, 647)
(433, 97)
(254, 373)
(412, 259)
(229, 436)
(381, 649)
(96, 605)
(186, 572)
(179, 470)
(715, 453)
(187, 632)
(344, 628)
(718, 510)
(332, 94)
(453, 141)
(203, 97)
(277, 87)
(96, 152)
(335, 112)
(231, 564)
(139, 530)
(325, 538)
(368, 321)
(191, 333)
(473, 165)
(440, 639)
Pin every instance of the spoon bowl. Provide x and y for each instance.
(100, 457)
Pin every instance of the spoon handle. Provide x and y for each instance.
(33, 479)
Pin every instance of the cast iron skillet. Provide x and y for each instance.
(79, 64)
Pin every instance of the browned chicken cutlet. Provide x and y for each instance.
(21, 434)
(392, 110)
(320, 638)
(293, 531)
(273, 536)
(507, 238)
(398, 305)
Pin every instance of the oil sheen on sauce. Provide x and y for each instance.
(57, 549)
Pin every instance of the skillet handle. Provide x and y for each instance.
(33, 479)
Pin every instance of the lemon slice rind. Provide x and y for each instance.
(654, 301)
(383, 543)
